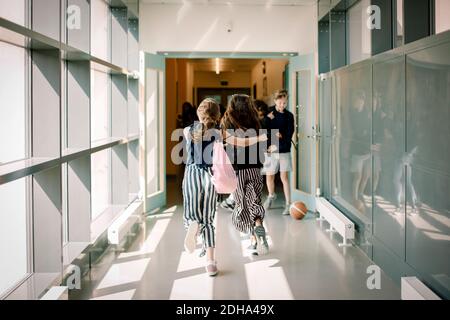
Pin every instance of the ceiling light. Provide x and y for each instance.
(217, 66)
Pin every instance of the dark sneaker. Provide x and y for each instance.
(190, 241)
(262, 247)
(252, 249)
(211, 268)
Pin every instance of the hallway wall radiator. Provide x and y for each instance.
(338, 221)
(123, 223)
(414, 289)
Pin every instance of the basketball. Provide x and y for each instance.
(298, 210)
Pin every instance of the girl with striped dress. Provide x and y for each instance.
(241, 117)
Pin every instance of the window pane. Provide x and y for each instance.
(100, 28)
(400, 33)
(12, 114)
(99, 105)
(359, 35)
(13, 234)
(442, 15)
(13, 11)
(100, 182)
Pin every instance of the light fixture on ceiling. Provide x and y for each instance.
(217, 66)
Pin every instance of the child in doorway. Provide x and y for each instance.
(282, 121)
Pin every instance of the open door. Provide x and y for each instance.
(153, 130)
(302, 88)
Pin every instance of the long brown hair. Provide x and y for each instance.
(241, 113)
(208, 113)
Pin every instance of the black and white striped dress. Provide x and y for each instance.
(199, 193)
(247, 161)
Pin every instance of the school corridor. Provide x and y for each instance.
(304, 263)
(102, 103)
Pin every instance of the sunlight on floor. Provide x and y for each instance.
(266, 282)
(124, 295)
(190, 261)
(152, 241)
(198, 287)
(123, 273)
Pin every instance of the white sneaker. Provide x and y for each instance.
(269, 201)
(190, 241)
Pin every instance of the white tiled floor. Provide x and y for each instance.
(304, 262)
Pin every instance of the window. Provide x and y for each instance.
(100, 105)
(13, 233)
(399, 24)
(13, 10)
(100, 28)
(12, 114)
(359, 35)
(100, 182)
(442, 9)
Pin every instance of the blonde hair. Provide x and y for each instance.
(279, 94)
(208, 113)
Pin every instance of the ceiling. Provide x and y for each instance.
(236, 2)
(225, 65)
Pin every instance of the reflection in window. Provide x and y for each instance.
(359, 35)
(100, 182)
(12, 113)
(13, 234)
(399, 27)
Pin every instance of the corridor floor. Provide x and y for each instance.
(304, 262)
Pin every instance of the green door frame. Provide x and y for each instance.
(298, 64)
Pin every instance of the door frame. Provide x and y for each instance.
(157, 63)
(309, 63)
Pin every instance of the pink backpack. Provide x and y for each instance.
(224, 178)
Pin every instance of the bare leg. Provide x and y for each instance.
(270, 180)
(210, 256)
(287, 191)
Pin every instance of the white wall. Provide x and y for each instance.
(274, 74)
(191, 27)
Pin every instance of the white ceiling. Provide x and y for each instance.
(236, 2)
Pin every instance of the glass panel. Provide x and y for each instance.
(428, 154)
(100, 182)
(442, 9)
(154, 135)
(388, 161)
(304, 124)
(13, 233)
(100, 30)
(65, 217)
(13, 113)
(359, 35)
(400, 31)
(13, 10)
(325, 94)
(100, 102)
(351, 150)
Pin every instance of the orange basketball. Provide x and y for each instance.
(298, 210)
